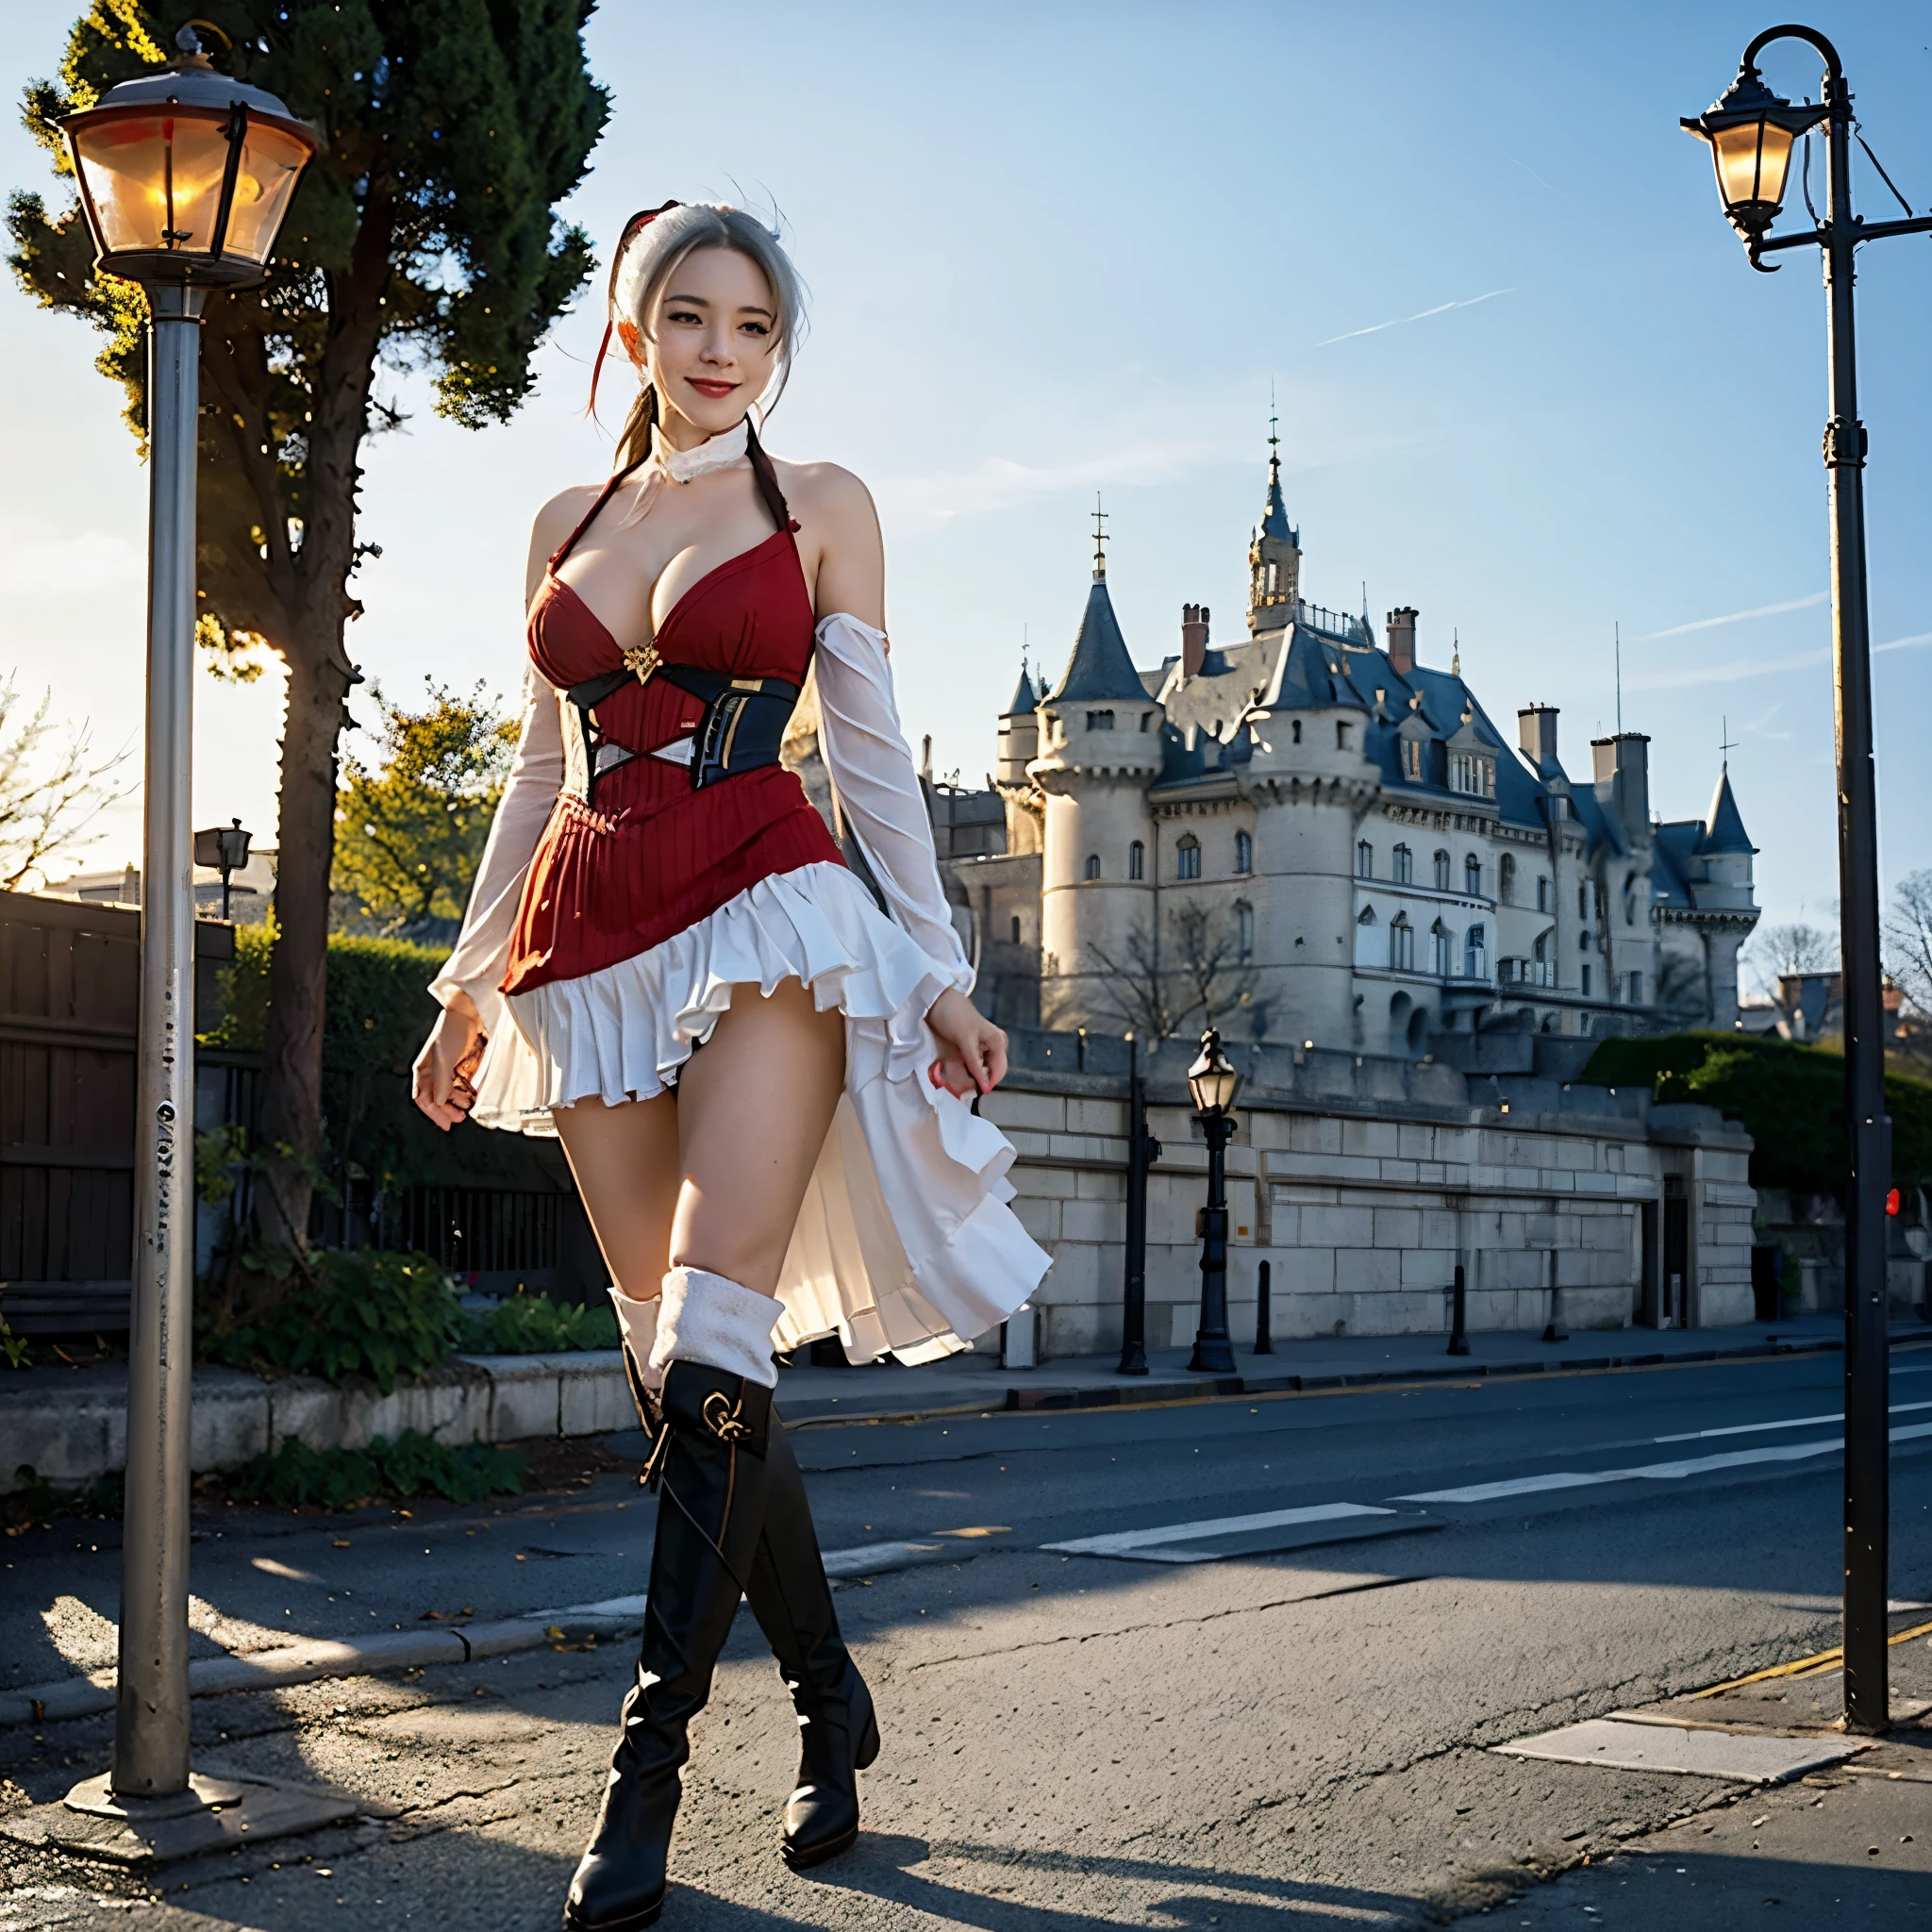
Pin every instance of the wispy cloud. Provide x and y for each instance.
(1917, 637)
(1733, 672)
(1678, 631)
(1421, 315)
(996, 483)
(41, 558)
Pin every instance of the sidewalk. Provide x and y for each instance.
(973, 1383)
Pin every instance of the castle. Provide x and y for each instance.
(1310, 837)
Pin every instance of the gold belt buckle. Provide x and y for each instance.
(642, 660)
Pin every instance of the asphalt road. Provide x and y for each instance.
(1073, 1737)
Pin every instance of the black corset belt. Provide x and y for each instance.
(742, 730)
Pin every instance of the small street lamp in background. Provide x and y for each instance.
(223, 850)
(1751, 133)
(184, 176)
(1214, 1083)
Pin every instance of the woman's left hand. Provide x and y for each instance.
(975, 1060)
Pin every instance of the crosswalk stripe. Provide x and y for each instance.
(1219, 1525)
(1796, 1422)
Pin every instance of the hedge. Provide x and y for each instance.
(1790, 1099)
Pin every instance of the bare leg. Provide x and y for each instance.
(626, 1160)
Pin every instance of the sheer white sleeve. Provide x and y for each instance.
(482, 949)
(878, 788)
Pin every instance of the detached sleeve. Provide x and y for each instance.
(878, 788)
(536, 774)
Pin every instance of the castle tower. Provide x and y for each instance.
(1274, 553)
(1100, 748)
(1019, 747)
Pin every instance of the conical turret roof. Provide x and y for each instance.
(1100, 666)
(1024, 699)
(1723, 825)
(1275, 520)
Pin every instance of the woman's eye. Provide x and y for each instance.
(756, 329)
(685, 315)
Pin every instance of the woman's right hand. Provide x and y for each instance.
(439, 1080)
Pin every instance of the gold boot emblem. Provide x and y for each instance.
(724, 1419)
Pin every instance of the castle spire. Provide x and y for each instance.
(1275, 551)
(1099, 540)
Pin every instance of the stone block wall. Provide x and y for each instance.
(1364, 1214)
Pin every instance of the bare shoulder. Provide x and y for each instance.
(827, 495)
(562, 515)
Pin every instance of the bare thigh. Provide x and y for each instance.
(752, 1112)
(712, 1175)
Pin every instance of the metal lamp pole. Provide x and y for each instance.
(1751, 132)
(1214, 1084)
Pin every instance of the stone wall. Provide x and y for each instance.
(1364, 1183)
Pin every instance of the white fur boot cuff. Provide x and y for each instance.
(706, 1318)
(637, 1330)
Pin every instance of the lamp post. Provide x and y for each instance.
(1751, 132)
(1143, 1149)
(225, 850)
(183, 177)
(1214, 1083)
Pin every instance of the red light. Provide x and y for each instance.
(1892, 1202)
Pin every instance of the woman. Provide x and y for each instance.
(656, 883)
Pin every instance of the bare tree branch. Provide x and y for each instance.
(51, 788)
(1206, 974)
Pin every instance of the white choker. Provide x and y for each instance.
(715, 453)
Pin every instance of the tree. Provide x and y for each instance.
(1775, 950)
(1206, 973)
(49, 791)
(410, 834)
(421, 238)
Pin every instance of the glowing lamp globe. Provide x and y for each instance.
(186, 174)
(1751, 133)
(1212, 1079)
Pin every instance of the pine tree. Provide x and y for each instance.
(421, 237)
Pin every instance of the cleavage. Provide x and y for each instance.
(603, 578)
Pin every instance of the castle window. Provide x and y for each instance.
(1274, 579)
(1543, 894)
(1400, 944)
(1473, 876)
(1016, 929)
(1412, 760)
(1366, 916)
(1637, 988)
(1474, 775)
(1187, 858)
(1506, 878)
(1475, 960)
(1093, 865)
(1243, 929)
(1341, 735)
(1404, 872)
(1146, 719)
(1100, 720)
(1364, 860)
(1294, 726)
(1244, 853)
(1583, 902)
(1541, 950)
(1441, 872)
(1586, 979)
(1439, 950)
(1630, 900)
(1137, 860)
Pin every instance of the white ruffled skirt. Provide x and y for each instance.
(904, 1241)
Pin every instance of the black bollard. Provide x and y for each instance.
(1459, 1321)
(1265, 1341)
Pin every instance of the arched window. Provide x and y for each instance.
(1405, 865)
(1364, 860)
(1543, 894)
(1506, 878)
(1187, 858)
(1400, 944)
(1243, 929)
(1137, 860)
(1476, 954)
(1244, 853)
(1541, 950)
(1473, 876)
(1295, 730)
(1100, 720)
(1016, 929)
(1093, 865)
(1441, 872)
(1439, 950)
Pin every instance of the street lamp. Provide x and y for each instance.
(1143, 1149)
(184, 176)
(223, 850)
(1214, 1083)
(1751, 133)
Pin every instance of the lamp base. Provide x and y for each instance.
(213, 1814)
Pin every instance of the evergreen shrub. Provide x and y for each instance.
(296, 1477)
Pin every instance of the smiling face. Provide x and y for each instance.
(713, 342)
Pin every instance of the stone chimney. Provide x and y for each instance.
(1402, 639)
(1194, 639)
(1536, 731)
(1623, 781)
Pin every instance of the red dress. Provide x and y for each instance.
(654, 857)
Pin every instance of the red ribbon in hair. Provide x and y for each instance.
(632, 229)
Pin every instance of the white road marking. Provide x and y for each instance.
(1649, 1471)
(1219, 1525)
(1797, 1421)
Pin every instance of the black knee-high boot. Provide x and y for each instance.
(838, 1735)
(708, 1517)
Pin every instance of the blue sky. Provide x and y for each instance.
(1526, 381)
